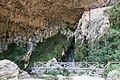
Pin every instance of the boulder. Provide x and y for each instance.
(10, 70)
(23, 75)
(53, 63)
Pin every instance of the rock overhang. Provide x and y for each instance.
(37, 13)
(24, 21)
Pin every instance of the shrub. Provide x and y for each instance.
(51, 48)
(105, 49)
(115, 16)
(14, 53)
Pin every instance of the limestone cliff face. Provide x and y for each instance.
(37, 12)
(93, 24)
(24, 21)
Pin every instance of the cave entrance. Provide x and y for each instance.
(69, 53)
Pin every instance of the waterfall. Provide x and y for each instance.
(69, 53)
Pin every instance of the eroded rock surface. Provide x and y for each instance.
(24, 21)
(93, 24)
(10, 70)
(27, 22)
(35, 12)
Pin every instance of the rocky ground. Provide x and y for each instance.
(28, 22)
(10, 71)
(86, 78)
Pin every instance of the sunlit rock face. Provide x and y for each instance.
(9, 70)
(93, 24)
(25, 21)
(37, 12)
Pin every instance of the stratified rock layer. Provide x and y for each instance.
(36, 12)
(24, 21)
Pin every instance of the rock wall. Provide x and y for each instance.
(92, 25)
(22, 34)
(26, 21)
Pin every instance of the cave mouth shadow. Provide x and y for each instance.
(69, 52)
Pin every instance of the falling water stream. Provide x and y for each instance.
(69, 53)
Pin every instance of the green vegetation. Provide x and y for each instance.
(14, 53)
(103, 50)
(113, 66)
(81, 51)
(50, 48)
(107, 48)
(55, 73)
(115, 16)
(58, 72)
(44, 51)
(3, 78)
